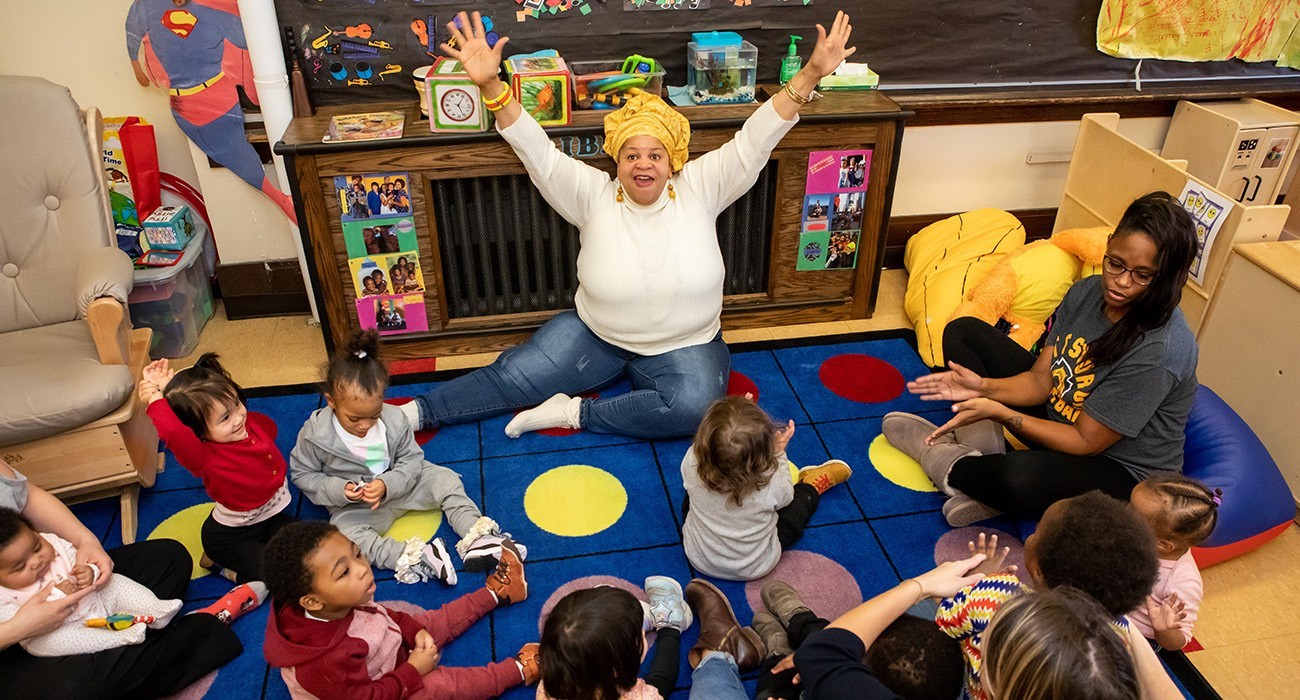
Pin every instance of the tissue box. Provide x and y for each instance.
(862, 81)
(542, 84)
(169, 228)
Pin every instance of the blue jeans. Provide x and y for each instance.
(717, 678)
(670, 392)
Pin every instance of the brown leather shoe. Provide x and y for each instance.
(529, 662)
(507, 580)
(719, 628)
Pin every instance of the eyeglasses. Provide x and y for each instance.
(1117, 268)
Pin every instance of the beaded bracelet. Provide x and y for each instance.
(496, 103)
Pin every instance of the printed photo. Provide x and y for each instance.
(853, 171)
(379, 236)
(377, 275)
(842, 250)
(847, 210)
(817, 208)
(363, 197)
(1276, 153)
(393, 314)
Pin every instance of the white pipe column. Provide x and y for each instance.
(262, 34)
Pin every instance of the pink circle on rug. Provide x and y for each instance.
(827, 588)
(421, 436)
(861, 378)
(739, 385)
(953, 545)
(579, 584)
(562, 432)
(197, 689)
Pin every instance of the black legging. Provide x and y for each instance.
(163, 664)
(662, 675)
(1022, 482)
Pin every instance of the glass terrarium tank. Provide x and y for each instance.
(721, 68)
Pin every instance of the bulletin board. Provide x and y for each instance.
(934, 43)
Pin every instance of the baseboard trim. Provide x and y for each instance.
(262, 288)
(1038, 224)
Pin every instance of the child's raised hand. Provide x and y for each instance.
(994, 557)
(374, 492)
(1167, 614)
(159, 372)
(783, 436)
(424, 655)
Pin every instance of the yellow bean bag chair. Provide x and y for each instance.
(1025, 288)
(944, 261)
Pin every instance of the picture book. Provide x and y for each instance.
(366, 127)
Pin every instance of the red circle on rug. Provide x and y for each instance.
(825, 586)
(562, 432)
(585, 582)
(953, 545)
(739, 385)
(421, 436)
(861, 378)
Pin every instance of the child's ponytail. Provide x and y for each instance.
(1193, 510)
(356, 366)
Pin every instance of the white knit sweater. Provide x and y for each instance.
(650, 277)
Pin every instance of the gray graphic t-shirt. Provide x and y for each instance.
(1144, 396)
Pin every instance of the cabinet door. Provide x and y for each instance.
(1268, 167)
(1238, 182)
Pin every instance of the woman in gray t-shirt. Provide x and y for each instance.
(1103, 405)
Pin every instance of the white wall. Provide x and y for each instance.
(959, 168)
(82, 45)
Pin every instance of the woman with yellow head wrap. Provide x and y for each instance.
(650, 272)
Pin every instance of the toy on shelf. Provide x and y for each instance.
(540, 81)
(169, 228)
(453, 100)
(721, 68)
(608, 84)
(120, 621)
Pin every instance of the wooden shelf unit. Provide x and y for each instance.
(841, 121)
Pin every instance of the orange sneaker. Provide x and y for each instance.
(507, 580)
(825, 475)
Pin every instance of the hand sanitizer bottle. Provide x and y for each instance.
(791, 63)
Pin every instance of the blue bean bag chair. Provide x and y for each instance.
(1222, 452)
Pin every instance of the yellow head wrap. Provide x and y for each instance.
(647, 114)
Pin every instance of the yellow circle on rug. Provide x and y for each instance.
(898, 467)
(575, 500)
(186, 527)
(416, 523)
(794, 473)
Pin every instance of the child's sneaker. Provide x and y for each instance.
(238, 601)
(507, 582)
(825, 475)
(480, 548)
(773, 634)
(667, 607)
(530, 666)
(423, 561)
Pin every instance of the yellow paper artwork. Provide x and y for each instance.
(1201, 30)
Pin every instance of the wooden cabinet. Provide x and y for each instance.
(777, 294)
(1250, 346)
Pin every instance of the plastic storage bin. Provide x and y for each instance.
(176, 301)
(611, 83)
(721, 68)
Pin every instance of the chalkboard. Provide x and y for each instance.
(934, 43)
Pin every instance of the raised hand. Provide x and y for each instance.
(957, 384)
(830, 50)
(993, 557)
(783, 435)
(1167, 614)
(481, 62)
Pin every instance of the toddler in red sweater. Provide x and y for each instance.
(331, 640)
(201, 417)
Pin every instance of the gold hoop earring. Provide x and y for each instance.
(672, 194)
(619, 197)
